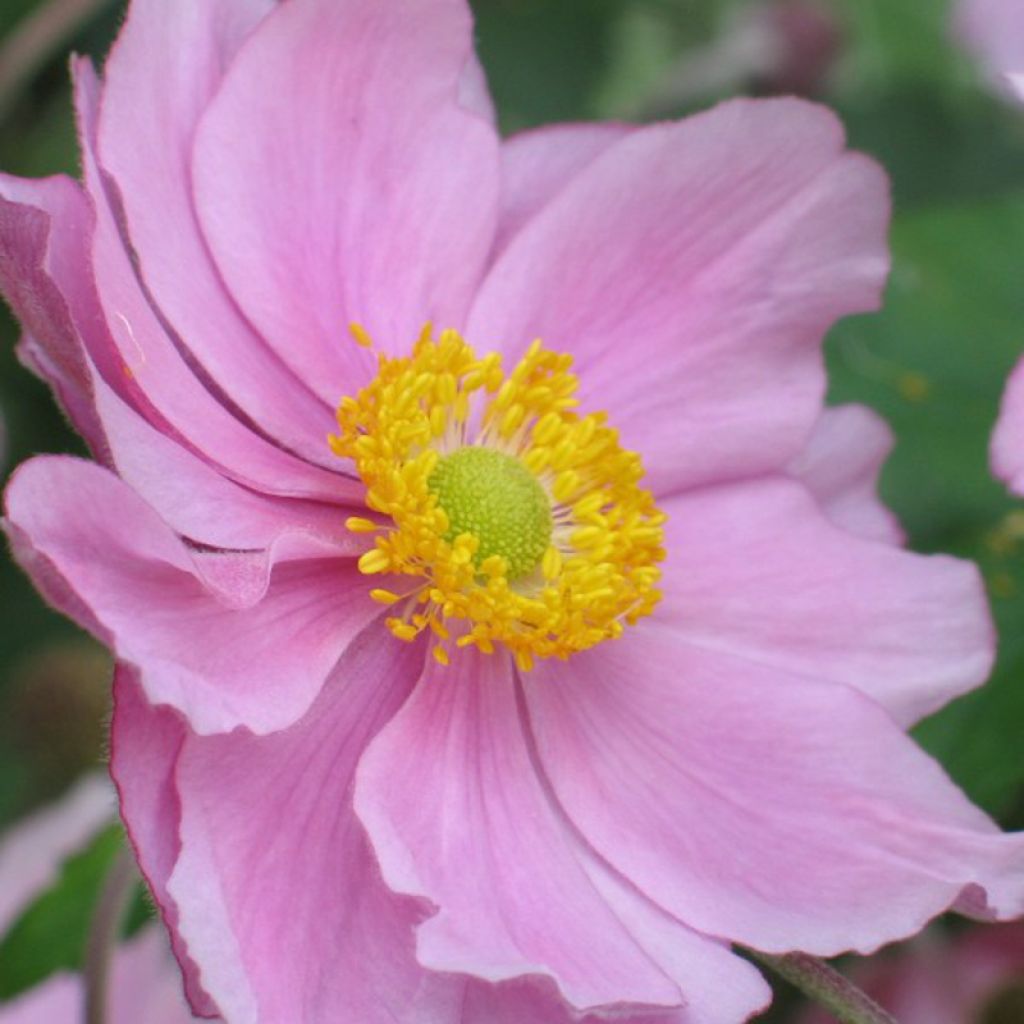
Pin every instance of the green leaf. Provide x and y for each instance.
(544, 60)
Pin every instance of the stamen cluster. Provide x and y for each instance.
(600, 568)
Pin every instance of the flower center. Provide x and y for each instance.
(494, 497)
(506, 518)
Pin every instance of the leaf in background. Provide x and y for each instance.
(544, 60)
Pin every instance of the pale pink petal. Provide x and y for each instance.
(227, 638)
(193, 497)
(57, 1001)
(726, 997)
(152, 373)
(717, 985)
(42, 223)
(33, 850)
(446, 792)
(529, 1001)
(459, 817)
(279, 899)
(376, 206)
(144, 746)
(772, 810)
(994, 30)
(695, 305)
(1008, 439)
(536, 166)
(755, 570)
(340, 945)
(44, 243)
(145, 983)
(162, 73)
(840, 467)
(473, 92)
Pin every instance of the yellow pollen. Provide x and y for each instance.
(507, 519)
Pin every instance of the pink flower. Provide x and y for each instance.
(1008, 438)
(336, 825)
(145, 984)
(971, 978)
(994, 31)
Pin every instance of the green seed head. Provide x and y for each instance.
(494, 497)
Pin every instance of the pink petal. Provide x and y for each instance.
(458, 816)
(281, 903)
(994, 30)
(144, 746)
(771, 810)
(226, 638)
(279, 900)
(57, 1001)
(153, 375)
(44, 226)
(695, 305)
(168, 62)
(756, 571)
(377, 205)
(727, 997)
(33, 851)
(46, 238)
(474, 93)
(840, 467)
(145, 983)
(194, 498)
(536, 166)
(1008, 439)
(717, 986)
(530, 1002)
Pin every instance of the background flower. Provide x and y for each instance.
(974, 977)
(994, 29)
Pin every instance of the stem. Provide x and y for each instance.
(103, 934)
(826, 986)
(41, 34)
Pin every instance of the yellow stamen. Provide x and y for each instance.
(360, 335)
(357, 524)
(538, 591)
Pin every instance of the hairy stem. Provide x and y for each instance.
(42, 33)
(103, 934)
(826, 986)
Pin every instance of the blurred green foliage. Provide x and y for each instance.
(933, 362)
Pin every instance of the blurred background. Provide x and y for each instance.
(933, 362)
